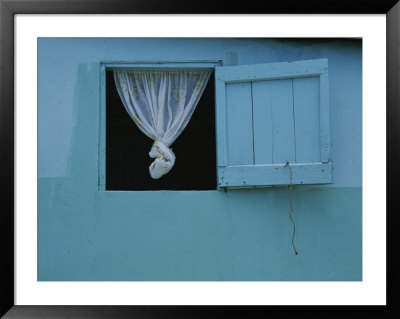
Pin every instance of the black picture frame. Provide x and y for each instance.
(8, 8)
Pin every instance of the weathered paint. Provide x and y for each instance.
(237, 235)
(87, 234)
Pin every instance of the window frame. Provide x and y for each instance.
(112, 65)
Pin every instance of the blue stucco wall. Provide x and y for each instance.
(86, 234)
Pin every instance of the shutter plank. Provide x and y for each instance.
(239, 126)
(307, 118)
(325, 139)
(273, 122)
(275, 174)
(283, 146)
(263, 122)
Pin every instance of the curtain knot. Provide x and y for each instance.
(164, 159)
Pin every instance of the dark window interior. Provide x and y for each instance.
(127, 148)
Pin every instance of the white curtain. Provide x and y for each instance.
(161, 103)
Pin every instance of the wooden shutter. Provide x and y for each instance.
(268, 114)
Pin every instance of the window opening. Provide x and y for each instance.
(127, 148)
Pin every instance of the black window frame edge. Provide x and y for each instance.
(8, 9)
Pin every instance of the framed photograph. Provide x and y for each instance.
(151, 158)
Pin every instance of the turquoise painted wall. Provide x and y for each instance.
(86, 234)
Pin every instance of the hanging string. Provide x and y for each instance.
(291, 211)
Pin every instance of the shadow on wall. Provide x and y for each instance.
(66, 217)
(83, 154)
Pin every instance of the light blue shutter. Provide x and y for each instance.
(268, 114)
